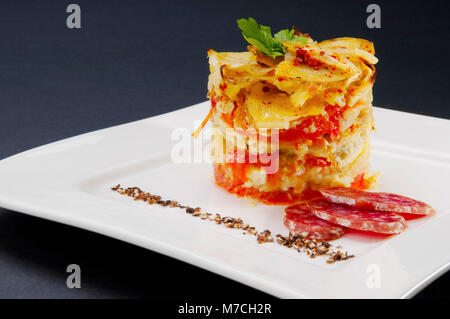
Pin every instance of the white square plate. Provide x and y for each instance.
(69, 182)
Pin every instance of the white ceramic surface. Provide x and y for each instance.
(69, 182)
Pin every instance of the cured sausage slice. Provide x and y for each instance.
(368, 220)
(299, 219)
(376, 201)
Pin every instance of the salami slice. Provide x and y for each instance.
(368, 220)
(376, 201)
(299, 220)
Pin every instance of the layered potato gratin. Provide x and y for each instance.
(312, 104)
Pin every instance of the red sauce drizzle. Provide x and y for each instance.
(314, 161)
(234, 185)
(359, 182)
(303, 57)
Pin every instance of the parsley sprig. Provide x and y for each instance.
(260, 36)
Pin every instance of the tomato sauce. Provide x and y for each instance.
(315, 127)
(359, 182)
(314, 161)
(233, 184)
(227, 118)
(302, 56)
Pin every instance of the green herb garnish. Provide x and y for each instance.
(260, 36)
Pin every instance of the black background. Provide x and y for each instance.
(135, 59)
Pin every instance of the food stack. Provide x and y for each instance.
(291, 115)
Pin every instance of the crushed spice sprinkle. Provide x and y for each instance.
(299, 242)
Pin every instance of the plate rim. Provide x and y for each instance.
(27, 208)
